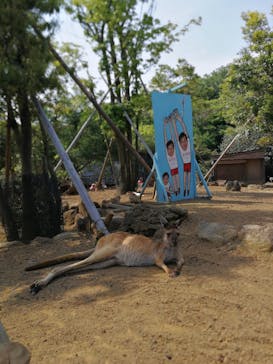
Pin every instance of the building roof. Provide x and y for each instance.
(255, 154)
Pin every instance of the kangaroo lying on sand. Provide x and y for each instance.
(119, 248)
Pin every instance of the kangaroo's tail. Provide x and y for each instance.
(61, 259)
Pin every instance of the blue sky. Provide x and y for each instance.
(218, 40)
(213, 44)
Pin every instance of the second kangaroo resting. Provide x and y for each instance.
(120, 248)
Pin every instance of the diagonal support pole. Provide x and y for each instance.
(88, 203)
(202, 179)
(91, 97)
(84, 125)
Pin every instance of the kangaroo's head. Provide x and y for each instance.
(171, 233)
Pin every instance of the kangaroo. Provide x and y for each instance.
(120, 248)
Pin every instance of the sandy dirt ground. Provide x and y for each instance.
(219, 310)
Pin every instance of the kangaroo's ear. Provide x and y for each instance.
(163, 221)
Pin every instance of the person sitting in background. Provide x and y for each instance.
(92, 187)
(139, 184)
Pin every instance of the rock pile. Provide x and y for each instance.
(145, 219)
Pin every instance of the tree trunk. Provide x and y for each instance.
(13, 124)
(29, 221)
(114, 64)
(122, 154)
(8, 156)
(106, 65)
(7, 217)
(125, 68)
(55, 201)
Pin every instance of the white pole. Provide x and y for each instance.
(221, 156)
(77, 136)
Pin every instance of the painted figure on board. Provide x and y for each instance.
(185, 151)
(171, 158)
(167, 185)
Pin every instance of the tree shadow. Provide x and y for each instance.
(201, 258)
(86, 285)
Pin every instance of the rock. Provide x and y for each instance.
(145, 219)
(213, 183)
(69, 217)
(68, 235)
(229, 185)
(41, 240)
(268, 185)
(217, 233)
(116, 223)
(254, 187)
(13, 352)
(115, 199)
(179, 211)
(82, 223)
(236, 186)
(7, 244)
(257, 237)
(65, 206)
(134, 198)
(74, 206)
(233, 186)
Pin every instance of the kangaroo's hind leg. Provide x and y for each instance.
(102, 255)
(106, 264)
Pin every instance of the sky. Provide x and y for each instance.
(207, 47)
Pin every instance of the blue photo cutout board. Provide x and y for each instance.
(175, 156)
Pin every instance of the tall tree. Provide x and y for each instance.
(24, 72)
(127, 45)
(247, 91)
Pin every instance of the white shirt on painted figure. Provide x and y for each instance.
(172, 161)
(186, 153)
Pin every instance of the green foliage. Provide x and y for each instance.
(127, 43)
(24, 60)
(68, 113)
(239, 95)
(247, 91)
(25, 68)
(249, 139)
(147, 132)
(24, 72)
(2, 139)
